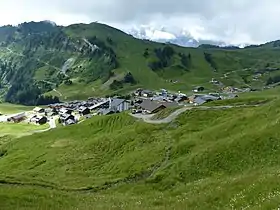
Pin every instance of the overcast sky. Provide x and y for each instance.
(233, 21)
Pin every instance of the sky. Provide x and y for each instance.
(231, 21)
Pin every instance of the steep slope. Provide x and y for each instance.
(155, 65)
(82, 60)
(204, 160)
(37, 57)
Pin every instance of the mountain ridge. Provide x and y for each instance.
(35, 63)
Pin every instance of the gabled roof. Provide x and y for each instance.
(150, 105)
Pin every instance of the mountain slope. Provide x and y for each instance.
(41, 60)
(203, 160)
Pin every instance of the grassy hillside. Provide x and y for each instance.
(211, 159)
(82, 60)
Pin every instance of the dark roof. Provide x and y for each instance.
(116, 102)
(150, 105)
(37, 119)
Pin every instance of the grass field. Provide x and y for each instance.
(205, 159)
(7, 108)
(20, 129)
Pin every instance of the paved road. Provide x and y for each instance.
(52, 123)
(175, 114)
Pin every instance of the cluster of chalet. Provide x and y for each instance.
(147, 101)
(100, 105)
(36, 119)
(66, 116)
(88, 108)
(41, 115)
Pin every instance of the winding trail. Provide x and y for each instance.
(175, 114)
(60, 94)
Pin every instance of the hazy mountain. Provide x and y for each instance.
(182, 37)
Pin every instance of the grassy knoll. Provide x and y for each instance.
(7, 108)
(210, 159)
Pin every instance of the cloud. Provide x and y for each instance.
(232, 21)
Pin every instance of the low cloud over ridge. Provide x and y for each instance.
(232, 21)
